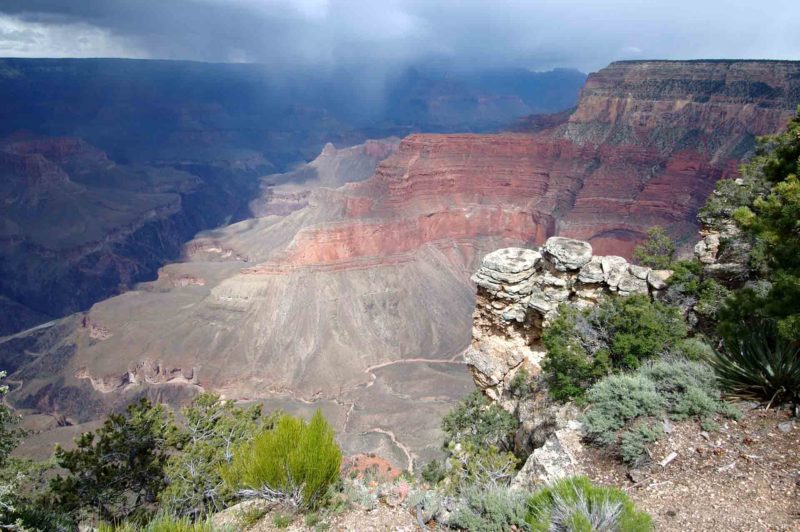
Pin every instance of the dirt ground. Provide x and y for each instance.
(743, 477)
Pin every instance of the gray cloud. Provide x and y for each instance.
(327, 34)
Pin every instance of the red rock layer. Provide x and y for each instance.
(644, 147)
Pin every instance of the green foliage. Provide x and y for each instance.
(281, 521)
(433, 472)
(763, 365)
(568, 366)
(633, 442)
(765, 205)
(693, 349)
(162, 522)
(575, 504)
(484, 467)
(620, 333)
(119, 469)
(9, 432)
(250, 515)
(426, 503)
(488, 510)
(294, 461)
(658, 251)
(479, 422)
(638, 329)
(620, 406)
(212, 429)
(25, 498)
(616, 400)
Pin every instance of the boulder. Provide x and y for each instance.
(657, 279)
(511, 260)
(592, 271)
(566, 253)
(706, 250)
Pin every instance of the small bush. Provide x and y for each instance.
(633, 443)
(295, 461)
(281, 521)
(433, 472)
(638, 329)
(213, 428)
(575, 504)
(693, 349)
(675, 388)
(488, 510)
(658, 251)
(250, 515)
(484, 467)
(570, 366)
(426, 503)
(763, 365)
(616, 400)
(161, 523)
(479, 422)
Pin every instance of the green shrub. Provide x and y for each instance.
(620, 333)
(250, 515)
(575, 504)
(693, 349)
(569, 367)
(763, 366)
(484, 467)
(162, 522)
(616, 400)
(119, 469)
(633, 443)
(488, 510)
(213, 428)
(281, 521)
(638, 328)
(672, 388)
(480, 422)
(294, 461)
(10, 434)
(658, 251)
(433, 472)
(426, 503)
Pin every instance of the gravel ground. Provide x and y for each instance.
(746, 476)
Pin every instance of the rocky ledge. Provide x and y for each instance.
(519, 291)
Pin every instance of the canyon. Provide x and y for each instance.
(109, 166)
(358, 299)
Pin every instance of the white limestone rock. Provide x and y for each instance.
(566, 253)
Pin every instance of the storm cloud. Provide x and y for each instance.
(326, 34)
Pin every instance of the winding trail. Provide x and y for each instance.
(399, 445)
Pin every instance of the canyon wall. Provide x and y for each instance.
(359, 300)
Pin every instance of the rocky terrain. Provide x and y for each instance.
(358, 299)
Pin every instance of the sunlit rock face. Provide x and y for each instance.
(358, 299)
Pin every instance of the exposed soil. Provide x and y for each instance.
(745, 476)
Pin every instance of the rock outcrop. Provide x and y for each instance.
(519, 291)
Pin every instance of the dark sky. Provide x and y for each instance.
(322, 34)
